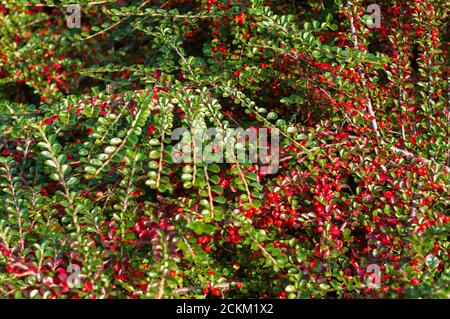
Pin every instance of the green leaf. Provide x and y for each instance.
(215, 179)
(51, 163)
(220, 199)
(201, 227)
(90, 169)
(214, 168)
(110, 149)
(115, 141)
(290, 288)
(46, 154)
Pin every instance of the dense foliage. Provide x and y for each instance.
(92, 204)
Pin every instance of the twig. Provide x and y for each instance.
(85, 4)
(373, 120)
(112, 26)
(409, 154)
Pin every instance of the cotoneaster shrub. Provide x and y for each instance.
(89, 186)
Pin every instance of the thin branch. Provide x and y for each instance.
(112, 26)
(93, 3)
(409, 154)
(373, 120)
(168, 15)
(369, 106)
